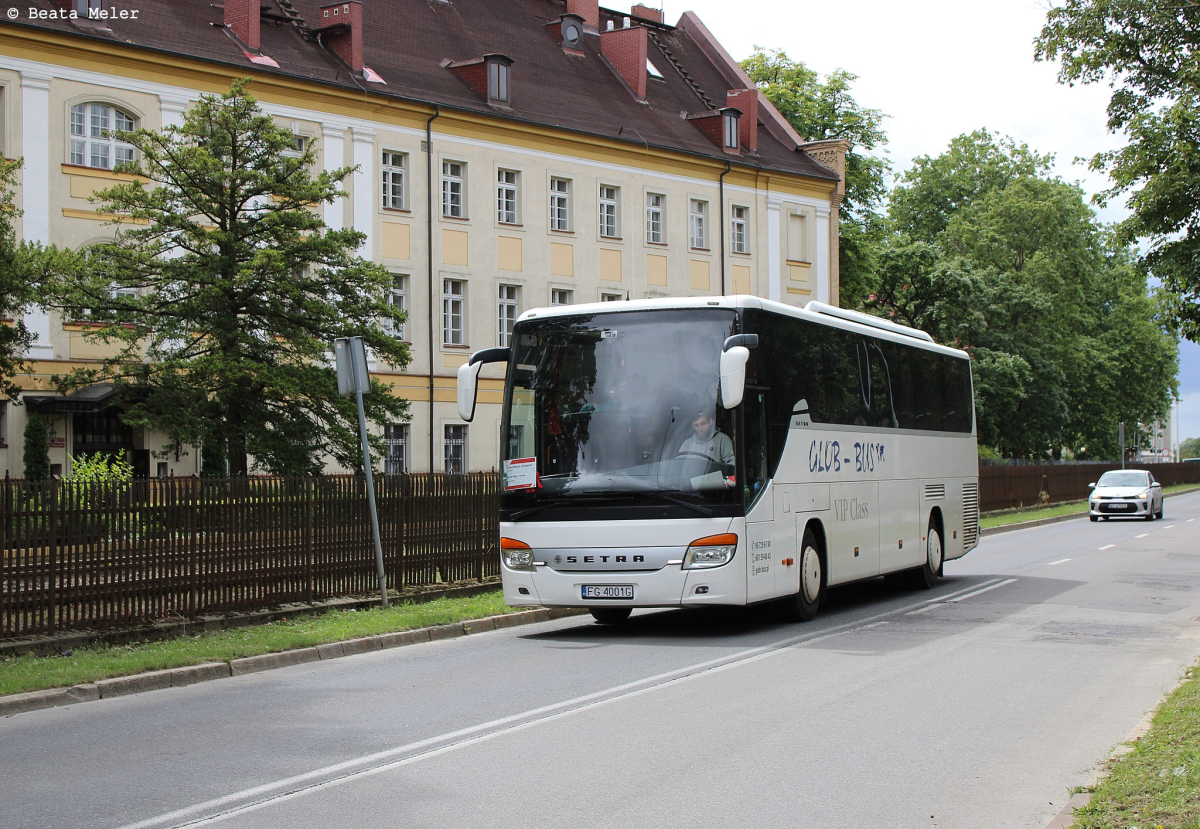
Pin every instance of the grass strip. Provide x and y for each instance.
(1155, 786)
(999, 519)
(32, 673)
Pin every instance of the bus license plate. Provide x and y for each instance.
(608, 591)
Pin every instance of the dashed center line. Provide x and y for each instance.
(1169, 526)
(1060, 561)
(1143, 535)
(1108, 546)
(1190, 520)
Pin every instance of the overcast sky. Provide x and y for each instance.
(940, 68)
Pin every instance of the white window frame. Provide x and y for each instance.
(498, 81)
(698, 224)
(454, 312)
(508, 308)
(396, 435)
(609, 210)
(508, 194)
(557, 295)
(90, 135)
(731, 131)
(449, 442)
(610, 296)
(560, 204)
(395, 178)
(656, 213)
(739, 240)
(454, 186)
(398, 298)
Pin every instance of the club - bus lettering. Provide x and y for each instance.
(851, 509)
(866, 455)
(825, 456)
(605, 559)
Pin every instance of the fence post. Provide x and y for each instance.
(308, 538)
(52, 541)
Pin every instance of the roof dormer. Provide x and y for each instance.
(488, 77)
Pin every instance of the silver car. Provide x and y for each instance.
(1130, 492)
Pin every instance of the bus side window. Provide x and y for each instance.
(882, 408)
(755, 437)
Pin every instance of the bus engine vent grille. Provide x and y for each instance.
(970, 515)
(934, 491)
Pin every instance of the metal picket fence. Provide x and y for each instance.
(95, 555)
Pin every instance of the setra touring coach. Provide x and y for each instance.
(729, 451)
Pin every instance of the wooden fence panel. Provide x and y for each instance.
(93, 555)
(1010, 487)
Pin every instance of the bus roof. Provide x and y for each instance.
(816, 312)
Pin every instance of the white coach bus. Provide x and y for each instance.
(692, 452)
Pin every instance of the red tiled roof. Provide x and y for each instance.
(407, 41)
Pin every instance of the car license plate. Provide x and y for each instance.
(608, 591)
(1121, 506)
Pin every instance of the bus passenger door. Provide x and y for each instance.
(899, 526)
(853, 531)
(784, 565)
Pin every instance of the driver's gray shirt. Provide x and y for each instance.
(718, 447)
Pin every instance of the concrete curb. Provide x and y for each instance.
(178, 677)
(1024, 525)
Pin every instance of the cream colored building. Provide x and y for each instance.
(525, 207)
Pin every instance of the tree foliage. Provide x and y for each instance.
(991, 252)
(821, 109)
(16, 288)
(224, 291)
(1189, 448)
(37, 449)
(1147, 50)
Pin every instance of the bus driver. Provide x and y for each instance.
(707, 441)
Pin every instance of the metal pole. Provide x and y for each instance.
(366, 447)
(1121, 440)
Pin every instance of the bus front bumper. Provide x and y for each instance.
(671, 586)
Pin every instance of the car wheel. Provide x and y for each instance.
(610, 615)
(802, 606)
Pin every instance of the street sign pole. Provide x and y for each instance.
(1121, 440)
(351, 359)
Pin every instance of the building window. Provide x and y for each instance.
(297, 148)
(506, 197)
(609, 226)
(455, 448)
(516, 440)
(698, 224)
(93, 141)
(394, 165)
(454, 175)
(797, 250)
(163, 469)
(606, 296)
(654, 218)
(737, 229)
(731, 130)
(561, 296)
(497, 80)
(507, 311)
(453, 298)
(398, 299)
(560, 204)
(395, 438)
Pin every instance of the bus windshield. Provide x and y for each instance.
(619, 409)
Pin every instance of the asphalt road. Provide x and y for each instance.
(978, 704)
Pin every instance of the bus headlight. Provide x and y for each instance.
(516, 555)
(711, 551)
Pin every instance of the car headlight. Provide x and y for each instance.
(516, 555)
(1142, 496)
(710, 551)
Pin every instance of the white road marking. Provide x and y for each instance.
(268, 794)
(1169, 526)
(1108, 546)
(1190, 520)
(1143, 535)
(975, 590)
(1060, 561)
(946, 596)
(984, 590)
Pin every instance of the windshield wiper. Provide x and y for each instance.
(680, 502)
(584, 500)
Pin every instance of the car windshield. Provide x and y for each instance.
(1123, 478)
(619, 408)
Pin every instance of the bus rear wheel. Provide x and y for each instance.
(802, 606)
(610, 615)
(926, 576)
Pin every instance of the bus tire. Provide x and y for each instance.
(610, 615)
(802, 606)
(926, 576)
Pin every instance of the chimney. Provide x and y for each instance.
(341, 29)
(745, 100)
(626, 51)
(589, 10)
(243, 19)
(647, 13)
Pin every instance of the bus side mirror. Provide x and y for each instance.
(468, 378)
(733, 375)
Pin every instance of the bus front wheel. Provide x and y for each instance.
(802, 606)
(925, 576)
(610, 615)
